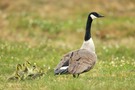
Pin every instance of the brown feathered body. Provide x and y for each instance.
(76, 62)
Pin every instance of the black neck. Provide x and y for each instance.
(88, 29)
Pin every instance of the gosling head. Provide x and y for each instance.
(94, 15)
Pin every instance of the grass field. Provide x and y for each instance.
(42, 31)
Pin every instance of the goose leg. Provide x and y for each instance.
(75, 75)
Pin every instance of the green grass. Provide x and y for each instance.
(29, 31)
(114, 69)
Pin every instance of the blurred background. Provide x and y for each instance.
(35, 21)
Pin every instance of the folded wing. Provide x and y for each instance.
(81, 61)
(76, 62)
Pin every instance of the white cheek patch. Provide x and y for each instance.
(92, 16)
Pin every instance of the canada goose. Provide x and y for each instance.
(38, 74)
(14, 77)
(20, 70)
(26, 71)
(83, 59)
(18, 74)
(27, 66)
(33, 70)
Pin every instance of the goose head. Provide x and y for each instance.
(94, 15)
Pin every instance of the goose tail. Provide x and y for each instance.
(62, 70)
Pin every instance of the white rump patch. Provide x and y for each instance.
(92, 16)
(63, 68)
(88, 45)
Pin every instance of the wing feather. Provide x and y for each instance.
(64, 62)
(81, 61)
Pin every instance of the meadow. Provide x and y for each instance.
(42, 31)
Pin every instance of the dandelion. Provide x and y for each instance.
(122, 61)
(121, 65)
(35, 64)
(12, 57)
(113, 63)
(123, 57)
(104, 47)
(49, 67)
(44, 65)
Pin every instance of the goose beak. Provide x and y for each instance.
(100, 16)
